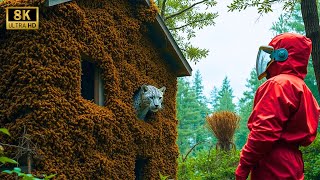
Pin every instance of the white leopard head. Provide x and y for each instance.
(154, 96)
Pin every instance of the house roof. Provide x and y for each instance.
(169, 47)
(55, 2)
(162, 36)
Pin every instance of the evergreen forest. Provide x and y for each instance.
(200, 155)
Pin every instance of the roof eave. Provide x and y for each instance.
(184, 68)
(55, 2)
(187, 70)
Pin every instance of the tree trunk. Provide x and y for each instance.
(311, 23)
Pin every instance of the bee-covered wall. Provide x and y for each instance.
(40, 80)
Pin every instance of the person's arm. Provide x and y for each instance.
(271, 110)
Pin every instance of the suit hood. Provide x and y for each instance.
(299, 50)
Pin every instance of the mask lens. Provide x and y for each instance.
(263, 59)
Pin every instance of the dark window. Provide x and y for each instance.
(87, 80)
(139, 169)
(92, 85)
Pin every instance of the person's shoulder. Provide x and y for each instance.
(287, 82)
(286, 79)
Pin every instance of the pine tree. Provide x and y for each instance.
(198, 87)
(192, 110)
(189, 116)
(203, 134)
(245, 107)
(213, 102)
(222, 100)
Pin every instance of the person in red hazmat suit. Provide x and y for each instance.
(285, 114)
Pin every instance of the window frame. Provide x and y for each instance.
(98, 82)
(99, 95)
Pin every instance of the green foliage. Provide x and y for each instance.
(222, 99)
(293, 22)
(183, 17)
(310, 81)
(245, 107)
(24, 176)
(16, 170)
(213, 100)
(198, 87)
(191, 112)
(209, 165)
(162, 177)
(289, 22)
(4, 159)
(311, 157)
(5, 131)
(188, 114)
(263, 6)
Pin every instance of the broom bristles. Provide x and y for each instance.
(223, 124)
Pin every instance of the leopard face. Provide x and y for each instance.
(149, 98)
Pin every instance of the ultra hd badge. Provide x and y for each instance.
(22, 18)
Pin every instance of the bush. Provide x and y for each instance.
(311, 157)
(221, 165)
(209, 165)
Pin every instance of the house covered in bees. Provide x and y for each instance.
(66, 90)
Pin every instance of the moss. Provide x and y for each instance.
(40, 90)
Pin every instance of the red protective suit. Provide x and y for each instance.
(285, 116)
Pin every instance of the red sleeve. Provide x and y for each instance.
(271, 110)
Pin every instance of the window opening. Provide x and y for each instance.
(140, 168)
(92, 85)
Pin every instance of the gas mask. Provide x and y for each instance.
(266, 56)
